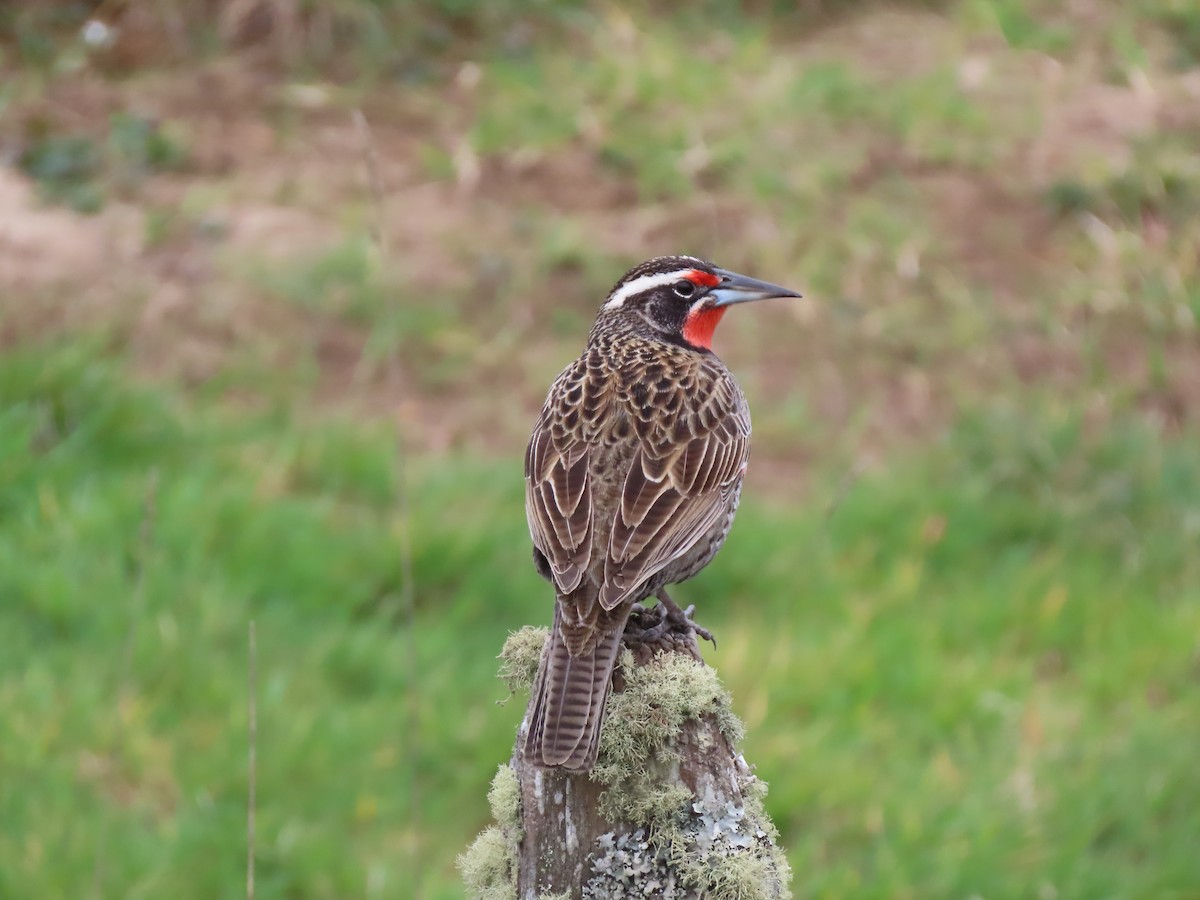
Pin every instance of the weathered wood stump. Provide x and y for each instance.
(670, 810)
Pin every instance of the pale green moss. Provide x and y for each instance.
(745, 876)
(644, 802)
(640, 727)
(488, 867)
(658, 698)
(721, 852)
(756, 816)
(756, 813)
(504, 797)
(521, 656)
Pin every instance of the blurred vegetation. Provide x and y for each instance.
(284, 367)
(74, 170)
(399, 37)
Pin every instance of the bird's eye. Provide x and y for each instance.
(684, 289)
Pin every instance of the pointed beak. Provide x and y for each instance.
(735, 288)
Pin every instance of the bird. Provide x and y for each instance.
(633, 474)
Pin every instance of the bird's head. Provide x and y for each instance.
(680, 299)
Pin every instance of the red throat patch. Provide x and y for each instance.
(700, 324)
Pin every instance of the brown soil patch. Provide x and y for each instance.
(277, 173)
(43, 247)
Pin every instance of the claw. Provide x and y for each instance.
(664, 627)
(637, 633)
(698, 629)
(682, 618)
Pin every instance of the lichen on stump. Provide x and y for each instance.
(670, 810)
(489, 867)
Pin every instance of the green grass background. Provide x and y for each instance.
(971, 670)
(977, 673)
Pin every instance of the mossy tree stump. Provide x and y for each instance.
(670, 810)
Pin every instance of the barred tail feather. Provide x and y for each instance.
(570, 696)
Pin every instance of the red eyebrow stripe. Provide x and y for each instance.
(704, 279)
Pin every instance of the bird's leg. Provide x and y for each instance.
(638, 630)
(663, 628)
(648, 633)
(681, 619)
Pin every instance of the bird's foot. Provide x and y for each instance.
(681, 619)
(662, 628)
(646, 625)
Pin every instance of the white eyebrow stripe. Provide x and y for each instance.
(644, 283)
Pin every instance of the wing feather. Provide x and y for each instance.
(558, 505)
(678, 483)
(670, 501)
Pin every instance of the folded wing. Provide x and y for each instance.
(672, 498)
(558, 505)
